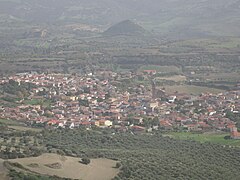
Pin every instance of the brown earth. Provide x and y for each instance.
(3, 171)
(101, 169)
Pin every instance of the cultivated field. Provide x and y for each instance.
(212, 44)
(162, 69)
(9, 122)
(12, 124)
(70, 167)
(176, 78)
(188, 89)
(23, 128)
(218, 138)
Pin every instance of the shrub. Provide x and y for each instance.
(85, 161)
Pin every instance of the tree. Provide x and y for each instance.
(19, 95)
(84, 103)
(118, 165)
(155, 121)
(85, 161)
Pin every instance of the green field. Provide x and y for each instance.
(42, 102)
(211, 44)
(162, 69)
(23, 128)
(9, 122)
(17, 125)
(207, 137)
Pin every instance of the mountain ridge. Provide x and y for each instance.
(175, 17)
(126, 27)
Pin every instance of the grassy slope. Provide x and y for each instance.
(9, 122)
(18, 126)
(152, 156)
(212, 138)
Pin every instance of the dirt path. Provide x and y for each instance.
(3, 171)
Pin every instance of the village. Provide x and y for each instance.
(94, 100)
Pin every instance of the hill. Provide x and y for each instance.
(126, 27)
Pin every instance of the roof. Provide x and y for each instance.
(53, 121)
(138, 128)
(85, 123)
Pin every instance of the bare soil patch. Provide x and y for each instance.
(189, 89)
(33, 165)
(3, 171)
(101, 169)
(54, 166)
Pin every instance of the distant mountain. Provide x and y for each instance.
(183, 18)
(126, 27)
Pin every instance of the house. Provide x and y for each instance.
(204, 125)
(70, 124)
(103, 123)
(154, 105)
(137, 120)
(234, 132)
(191, 127)
(138, 129)
(150, 72)
(52, 122)
(172, 99)
(86, 124)
(61, 125)
(166, 124)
